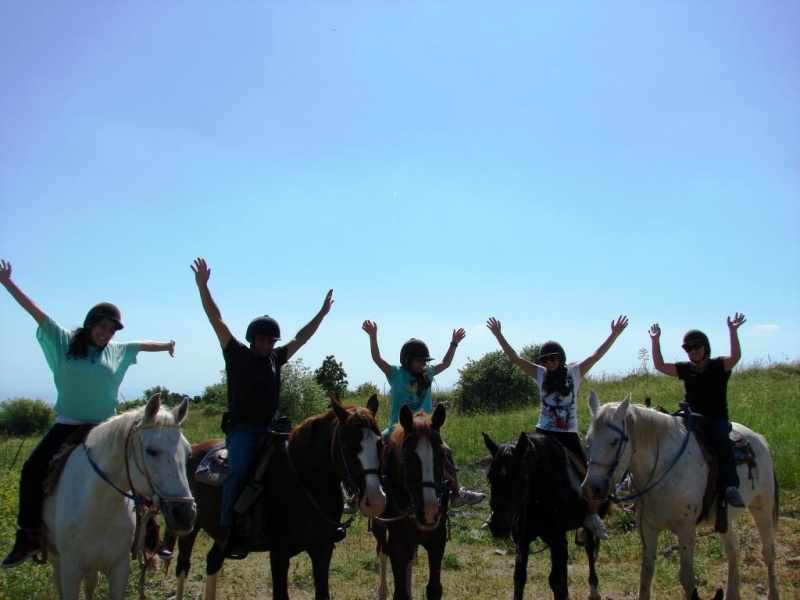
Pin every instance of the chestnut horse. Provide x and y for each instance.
(301, 503)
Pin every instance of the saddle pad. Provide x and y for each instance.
(213, 469)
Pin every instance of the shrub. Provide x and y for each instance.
(24, 417)
(494, 383)
(301, 395)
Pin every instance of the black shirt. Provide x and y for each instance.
(706, 392)
(253, 382)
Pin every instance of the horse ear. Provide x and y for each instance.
(406, 418)
(372, 404)
(594, 402)
(622, 408)
(341, 412)
(181, 411)
(522, 445)
(490, 445)
(152, 407)
(439, 415)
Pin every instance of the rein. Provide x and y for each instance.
(620, 448)
(309, 497)
(348, 477)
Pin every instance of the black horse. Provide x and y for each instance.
(531, 497)
(300, 506)
(417, 498)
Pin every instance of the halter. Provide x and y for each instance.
(337, 443)
(621, 447)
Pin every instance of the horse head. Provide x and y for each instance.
(508, 481)
(608, 448)
(156, 456)
(356, 454)
(418, 454)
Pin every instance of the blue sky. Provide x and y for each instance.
(551, 164)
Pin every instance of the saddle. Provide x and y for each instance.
(213, 470)
(742, 454)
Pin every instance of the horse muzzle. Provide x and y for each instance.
(179, 515)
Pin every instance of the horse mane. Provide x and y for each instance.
(119, 425)
(422, 428)
(310, 431)
(648, 423)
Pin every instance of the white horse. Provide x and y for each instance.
(133, 458)
(668, 473)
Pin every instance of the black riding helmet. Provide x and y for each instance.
(695, 335)
(414, 349)
(100, 311)
(266, 326)
(551, 347)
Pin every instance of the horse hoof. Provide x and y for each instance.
(339, 534)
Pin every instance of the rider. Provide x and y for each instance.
(558, 383)
(705, 380)
(410, 384)
(253, 376)
(88, 368)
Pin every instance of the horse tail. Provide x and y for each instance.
(775, 502)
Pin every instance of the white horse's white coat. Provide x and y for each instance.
(89, 525)
(675, 502)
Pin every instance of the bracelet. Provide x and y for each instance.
(454, 345)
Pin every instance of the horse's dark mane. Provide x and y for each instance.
(310, 431)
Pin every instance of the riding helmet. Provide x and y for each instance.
(414, 349)
(552, 347)
(695, 335)
(266, 326)
(100, 311)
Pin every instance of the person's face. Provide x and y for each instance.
(102, 332)
(416, 366)
(696, 351)
(262, 345)
(550, 361)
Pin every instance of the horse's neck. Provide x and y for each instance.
(108, 452)
(655, 442)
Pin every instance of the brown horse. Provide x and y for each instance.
(414, 460)
(300, 506)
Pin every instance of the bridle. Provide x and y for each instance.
(337, 448)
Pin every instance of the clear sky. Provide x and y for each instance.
(552, 164)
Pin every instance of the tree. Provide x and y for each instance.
(495, 383)
(331, 377)
(301, 395)
(23, 416)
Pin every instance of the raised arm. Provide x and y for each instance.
(148, 346)
(458, 335)
(22, 299)
(202, 273)
(372, 331)
(736, 349)
(311, 327)
(527, 367)
(658, 360)
(616, 329)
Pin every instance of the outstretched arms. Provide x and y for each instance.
(202, 273)
(617, 327)
(527, 367)
(658, 359)
(372, 331)
(148, 346)
(447, 359)
(22, 299)
(310, 328)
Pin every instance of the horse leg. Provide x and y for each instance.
(521, 569)
(559, 557)
(69, 583)
(90, 585)
(210, 587)
(402, 559)
(117, 578)
(649, 539)
(435, 548)
(280, 575)
(321, 565)
(379, 531)
(764, 511)
(591, 547)
(687, 538)
(730, 543)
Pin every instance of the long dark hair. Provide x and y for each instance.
(556, 381)
(82, 338)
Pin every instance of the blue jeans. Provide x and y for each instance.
(717, 430)
(242, 442)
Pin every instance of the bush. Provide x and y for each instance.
(495, 383)
(301, 395)
(23, 417)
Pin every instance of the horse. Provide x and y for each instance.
(413, 459)
(531, 497)
(301, 501)
(134, 458)
(669, 471)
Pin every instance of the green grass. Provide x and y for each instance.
(476, 565)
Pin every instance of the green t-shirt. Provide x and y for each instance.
(87, 387)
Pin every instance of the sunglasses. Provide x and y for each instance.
(548, 358)
(692, 346)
